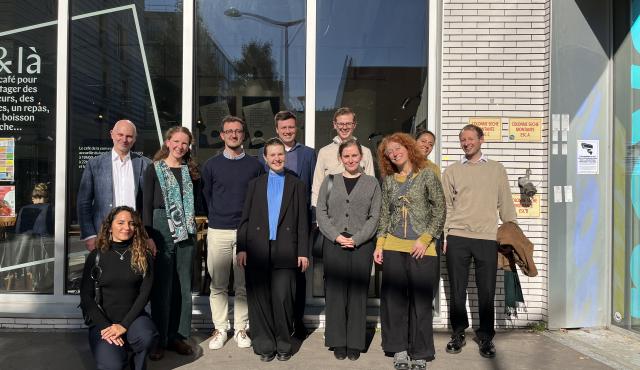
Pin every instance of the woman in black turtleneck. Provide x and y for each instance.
(125, 275)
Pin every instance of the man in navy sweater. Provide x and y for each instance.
(225, 178)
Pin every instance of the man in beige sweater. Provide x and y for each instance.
(476, 191)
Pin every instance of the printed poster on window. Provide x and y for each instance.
(588, 159)
(7, 152)
(7, 201)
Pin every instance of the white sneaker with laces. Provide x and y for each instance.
(242, 339)
(218, 338)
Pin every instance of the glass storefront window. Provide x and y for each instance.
(372, 57)
(626, 173)
(28, 69)
(125, 62)
(250, 62)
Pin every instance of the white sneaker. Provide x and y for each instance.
(218, 338)
(242, 339)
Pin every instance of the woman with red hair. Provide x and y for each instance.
(411, 218)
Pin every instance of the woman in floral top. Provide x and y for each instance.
(411, 218)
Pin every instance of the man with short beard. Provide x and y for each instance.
(225, 178)
(476, 190)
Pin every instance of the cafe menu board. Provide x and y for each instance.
(7, 201)
(7, 152)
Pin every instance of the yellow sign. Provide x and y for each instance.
(532, 211)
(525, 129)
(491, 126)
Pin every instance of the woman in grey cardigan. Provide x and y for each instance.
(347, 213)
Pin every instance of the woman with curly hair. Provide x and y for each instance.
(169, 217)
(124, 273)
(411, 218)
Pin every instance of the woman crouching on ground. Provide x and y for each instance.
(124, 274)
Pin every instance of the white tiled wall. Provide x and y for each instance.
(495, 63)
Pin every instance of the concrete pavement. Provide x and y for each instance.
(517, 349)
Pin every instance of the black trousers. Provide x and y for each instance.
(171, 292)
(347, 273)
(406, 309)
(139, 338)
(300, 303)
(270, 296)
(460, 250)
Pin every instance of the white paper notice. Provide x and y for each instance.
(557, 194)
(565, 151)
(259, 118)
(212, 114)
(554, 149)
(555, 122)
(565, 122)
(588, 157)
(554, 136)
(568, 193)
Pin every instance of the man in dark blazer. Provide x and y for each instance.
(300, 159)
(109, 180)
(272, 243)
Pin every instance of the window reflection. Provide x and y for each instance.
(372, 57)
(125, 62)
(250, 59)
(27, 150)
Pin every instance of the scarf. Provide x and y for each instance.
(513, 298)
(180, 211)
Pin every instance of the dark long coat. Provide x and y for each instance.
(292, 240)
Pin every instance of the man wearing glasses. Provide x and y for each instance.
(225, 178)
(344, 122)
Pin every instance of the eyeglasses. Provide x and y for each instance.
(344, 124)
(229, 132)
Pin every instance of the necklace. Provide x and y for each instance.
(121, 254)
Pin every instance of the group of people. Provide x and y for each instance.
(261, 213)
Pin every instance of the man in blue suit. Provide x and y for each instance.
(300, 159)
(109, 180)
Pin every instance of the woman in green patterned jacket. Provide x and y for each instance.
(169, 217)
(411, 218)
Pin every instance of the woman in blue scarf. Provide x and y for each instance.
(169, 217)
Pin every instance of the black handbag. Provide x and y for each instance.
(318, 240)
(96, 272)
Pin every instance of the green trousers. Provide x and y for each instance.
(171, 295)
